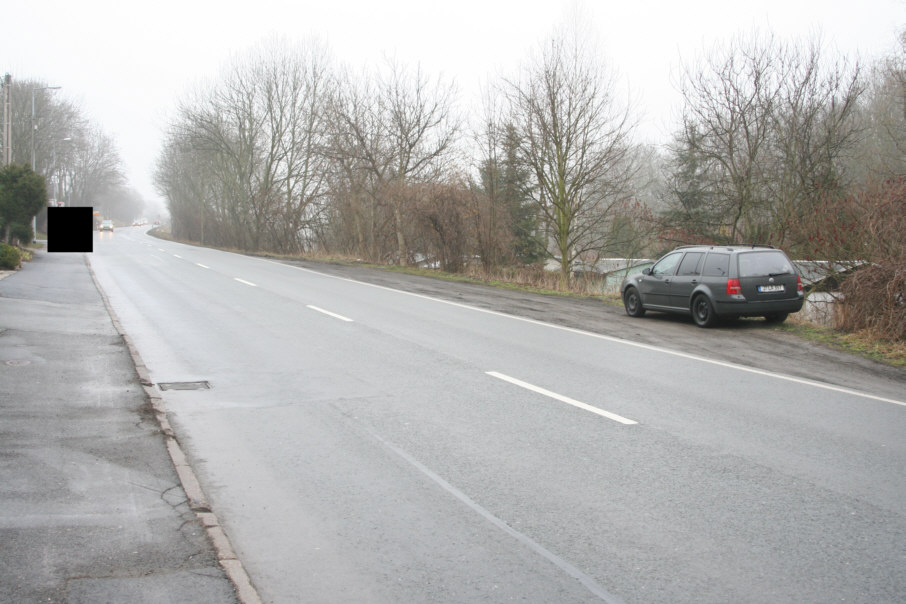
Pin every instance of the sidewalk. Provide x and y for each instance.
(91, 506)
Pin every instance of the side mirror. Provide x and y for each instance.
(646, 271)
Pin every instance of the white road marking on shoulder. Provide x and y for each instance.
(330, 314)
(562, 399)
(586, 580)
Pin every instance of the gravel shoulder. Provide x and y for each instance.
(752, 343)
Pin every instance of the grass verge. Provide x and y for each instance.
(862, 344)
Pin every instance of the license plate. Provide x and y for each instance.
(768, 289)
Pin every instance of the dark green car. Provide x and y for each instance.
(713, 282)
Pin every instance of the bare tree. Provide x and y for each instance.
(80, 162)
(255, 142)
(881, 152)
(96, 167)
(391, 130)
(576, 139)
(727, 118)
(813, 132)
(297, 87)
(765, 129)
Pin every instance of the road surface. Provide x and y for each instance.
(363, 443)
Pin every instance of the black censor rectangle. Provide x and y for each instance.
(70, 229)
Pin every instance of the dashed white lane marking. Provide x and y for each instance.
(562, 399)
(330, 314)
(249, 283)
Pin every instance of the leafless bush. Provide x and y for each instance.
(875, 301)
(871, 229)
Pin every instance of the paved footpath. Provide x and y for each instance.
(91, 506)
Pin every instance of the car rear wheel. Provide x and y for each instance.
(633, 303)
(703, 311)
(777, 317)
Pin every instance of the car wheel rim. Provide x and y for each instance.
(701, 310)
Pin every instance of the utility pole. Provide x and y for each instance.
(34, 129)
(7, 142)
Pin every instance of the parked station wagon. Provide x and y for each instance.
(713, 282)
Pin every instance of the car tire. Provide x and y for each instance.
(777, 317)
(703, 311)
(633, 302)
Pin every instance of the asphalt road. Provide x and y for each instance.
(410, 440)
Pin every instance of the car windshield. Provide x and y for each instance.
(758, 264)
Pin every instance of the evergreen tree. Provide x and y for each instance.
(23, 193)
(524, 224)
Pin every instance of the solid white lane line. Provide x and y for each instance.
(201, 265)
(561, 398)
(330, 314)
(244, 281)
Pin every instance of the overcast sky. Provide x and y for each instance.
(126, 64)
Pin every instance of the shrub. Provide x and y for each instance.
(873, 227)
(875, 301)
(9, 257)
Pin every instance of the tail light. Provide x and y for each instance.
(733, 287)
(799, 283)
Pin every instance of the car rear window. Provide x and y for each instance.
(716, 265)
(757, 264)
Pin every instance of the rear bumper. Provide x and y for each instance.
(753, 308)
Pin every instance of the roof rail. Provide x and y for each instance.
(726, 245)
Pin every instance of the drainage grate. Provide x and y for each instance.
(184, 385)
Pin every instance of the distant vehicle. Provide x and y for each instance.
(106, 225)
(713, 282)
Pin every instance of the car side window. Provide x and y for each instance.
(716, 265)
(666, 266)
(690, 265)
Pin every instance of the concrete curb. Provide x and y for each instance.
(235, 571)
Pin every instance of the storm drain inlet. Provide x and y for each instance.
(184, 385)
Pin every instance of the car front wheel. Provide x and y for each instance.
(633, 303)
(703, 311)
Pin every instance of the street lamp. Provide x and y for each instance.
(34, 128)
